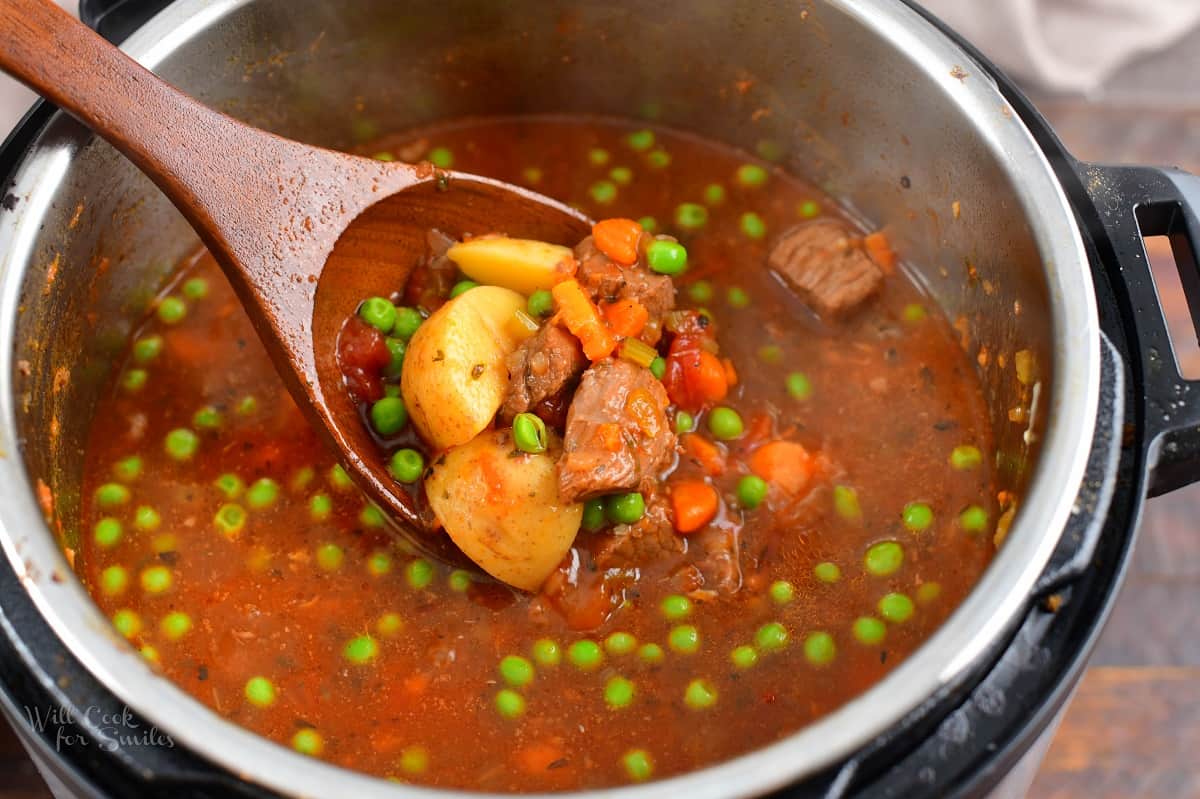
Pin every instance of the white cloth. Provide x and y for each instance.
(1068, 45)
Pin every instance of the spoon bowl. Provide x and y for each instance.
(302, 233)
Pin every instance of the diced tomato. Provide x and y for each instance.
(362, 355)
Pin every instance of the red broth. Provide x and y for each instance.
(276, 597)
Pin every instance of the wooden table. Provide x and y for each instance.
(1134, 727)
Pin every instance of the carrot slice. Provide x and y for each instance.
(784, 464)
(618, 239)
(583, 319)
(706, 377)
(731, 375)
(626, 317)
(695, 503)
(877, 246)
(704, 452)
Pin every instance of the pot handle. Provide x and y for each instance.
(1133, 202)
(116, 19)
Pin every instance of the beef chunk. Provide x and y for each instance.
(819, 260)
(608, 281)
(652, 538)
(617, 436)
(541, 368)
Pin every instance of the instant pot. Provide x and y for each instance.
(1028, 249)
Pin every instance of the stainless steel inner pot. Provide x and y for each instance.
(862, 95)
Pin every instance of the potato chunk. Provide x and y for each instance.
(455, 375)
(502, 509)
(522, 265)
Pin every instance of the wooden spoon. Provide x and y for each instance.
(302, 233)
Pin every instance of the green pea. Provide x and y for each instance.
(541, 304)
(308, 742)
(895, 607)
(509, 703)
(167, 542)
(771, 637)
(175, 625)
(107, 533)
(320, 507)
(782, 592)
(388, 416)
(147, 348)
(441, 157)
(135, 380)
(809, 209)
(620, 643)
(330, 557)
(529, 433)
(127, 622)
(598, 156)
(684, 422)
(651, 653)
(619, 692)
(917, 516)
(753, 225)
(869, 630)
(649, 224)
(379, 563)
(751, 175)
(207, 418)
(585, 654)
(419, 573)
(516, 670)
(676, 606)
(462, 287)
(247, 405)
(230, 519)
(379, 313)
(827, 572)
(149, 652)
(156, 579)
(262, 493)
(360, 650)
(737, 297)
(638, 765)
(181, 444)
(845, 502)
(771, 354)
(624, 508)
(110, 495)
(928, 592)
(414, 759)
(406, 465)
(701, 291)
(658, 159)
(725, 423)
(547, 652)
(751, 491)
(973, 519)
(593, 514)
(684, 639)
(339, 479)
(195, 288)
(230, 485)
(913, 313)
(384, 156)
(691, 216)
(621, 175)
(798, 386)
(171, 310)
(966, 457)
(389, 624)
(640, 140)
(819, 648)
(603, 192)
(714, 194)
(884, 558)
(532, 174)
(700, 695)
(396, 350)
(407, 322)
(744, 656)
(114, 580)
(128, 469)
(260, 692)
(459, 580)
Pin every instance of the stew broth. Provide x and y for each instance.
(227, 546)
